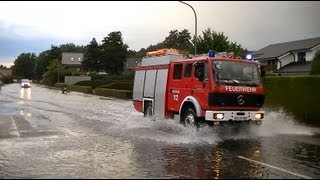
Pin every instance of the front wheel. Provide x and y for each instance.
(189, 118)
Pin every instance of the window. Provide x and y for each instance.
(187, 70)
(229, 72)
(79, 59)
(301, 56)
(71, 58)
(201, 71)
(206, 75)
(177, 71)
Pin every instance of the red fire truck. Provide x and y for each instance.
(212, 88)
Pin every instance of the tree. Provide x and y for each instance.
(41, 63)
(114, 53)
(55, 70)
(178, 40)
(24, 65)
(70, 47)
(92, 56)
(175, 39)
(217, 41)
(131, 53)
(315, 67)
(55, 52)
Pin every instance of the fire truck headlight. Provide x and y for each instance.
(218, 115)
(259, 116)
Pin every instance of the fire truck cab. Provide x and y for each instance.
(211, 88)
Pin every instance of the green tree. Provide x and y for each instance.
(217, 41)
(55, 53)
(178, 40)
(41, 63)
(175, 39)
(315, 67)
(55, 70)
(70, 47)
(92, 56)
(131, 53)
(114, 53)
(24, 65)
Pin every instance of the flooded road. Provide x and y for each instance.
(46, 134)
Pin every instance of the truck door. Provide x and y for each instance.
(175, 85)
(200, 84)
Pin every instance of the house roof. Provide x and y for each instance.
(72, 58)
(276, 50)
(5, 72)
(296, 67)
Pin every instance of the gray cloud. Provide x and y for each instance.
(253, 24)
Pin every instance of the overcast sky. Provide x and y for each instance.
(35, 26)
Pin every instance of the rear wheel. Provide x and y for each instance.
(189, 118)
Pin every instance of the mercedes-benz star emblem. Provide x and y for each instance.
(240, 99)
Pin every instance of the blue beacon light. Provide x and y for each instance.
(211, 53)
(249, 57)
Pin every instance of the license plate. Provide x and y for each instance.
(243, 118)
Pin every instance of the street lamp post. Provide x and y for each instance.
(58, 73)
(195, 17)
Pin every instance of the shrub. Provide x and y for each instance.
(297, 95)
(119, 85)
(123, 94)
(315, 67)
(84, 89)
(94, 83)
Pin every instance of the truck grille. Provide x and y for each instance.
(243, 100)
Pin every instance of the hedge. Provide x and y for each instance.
(119, 85)
(123, 94)
(298, 95)
(84, 89)
(60, 85)
(93, 84)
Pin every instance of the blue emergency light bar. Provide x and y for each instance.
(249, 57)
(211, 53)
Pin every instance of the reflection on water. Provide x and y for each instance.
(215, 162)
(25, 93)
(24, 113)
(217, 158)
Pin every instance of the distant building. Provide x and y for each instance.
(72, 60)
(293, 57)
(5, 72)
(131, 63)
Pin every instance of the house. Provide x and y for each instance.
(131, 63)
(72, 60)
(293, 57)
(5, 72)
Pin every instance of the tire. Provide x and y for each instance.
(189, 118)
(148, 111)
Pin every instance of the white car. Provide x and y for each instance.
(25, 83)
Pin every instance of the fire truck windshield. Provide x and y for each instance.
(235, 72)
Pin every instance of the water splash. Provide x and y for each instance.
(280, 122)
(163, 130)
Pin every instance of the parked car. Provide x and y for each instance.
(25, 83)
